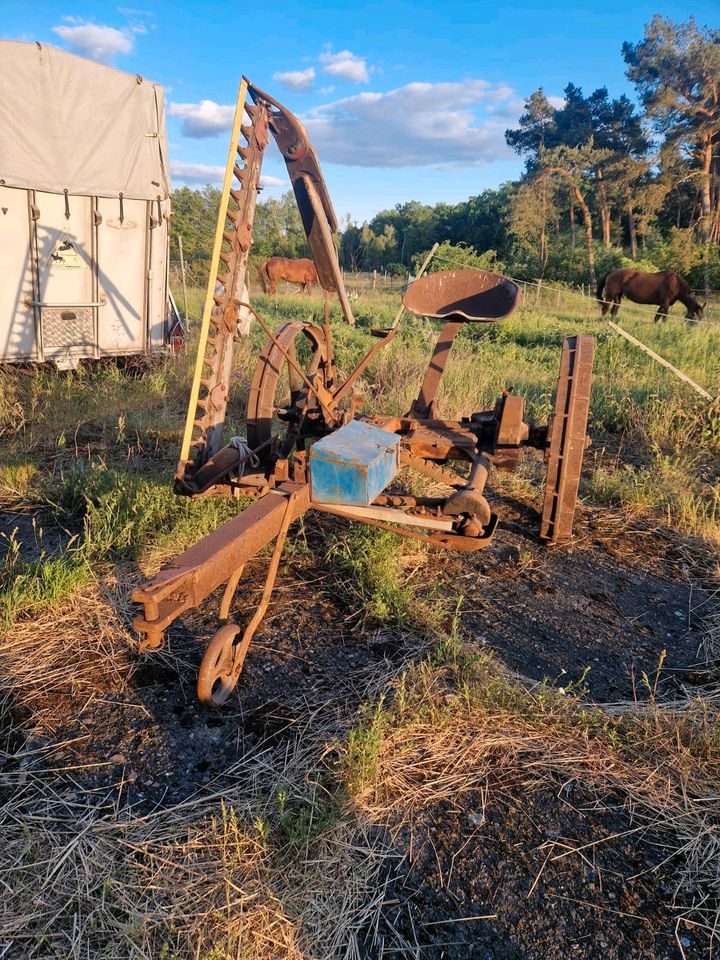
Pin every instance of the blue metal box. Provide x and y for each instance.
(354, 464)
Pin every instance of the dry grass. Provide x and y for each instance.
(234, 873)
(453, 731)
(74, 649)
(199, 880)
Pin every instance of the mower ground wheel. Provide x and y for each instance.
(216, 680)
(279, 399)
(568, 438)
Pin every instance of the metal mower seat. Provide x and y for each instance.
(463, 295)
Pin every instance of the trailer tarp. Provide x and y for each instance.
(71, 124)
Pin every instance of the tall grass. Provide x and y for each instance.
(110, 515)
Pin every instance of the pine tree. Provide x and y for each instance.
(676, 69)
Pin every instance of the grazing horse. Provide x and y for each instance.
(274, 269)
(663, 288)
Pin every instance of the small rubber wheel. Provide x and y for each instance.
(215, 681)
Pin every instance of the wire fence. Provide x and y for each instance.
(357, 280)
(536, 294)
(541, 294)
(548, 296)
(553, 296)
(365, 281)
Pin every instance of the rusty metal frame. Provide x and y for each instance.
(205, 566)
(461, 520)
(209, 393)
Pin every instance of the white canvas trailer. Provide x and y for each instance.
(84, 209)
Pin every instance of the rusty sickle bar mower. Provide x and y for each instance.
(304, 446)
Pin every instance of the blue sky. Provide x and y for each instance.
(402, 100)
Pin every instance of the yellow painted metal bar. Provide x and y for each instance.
(212, 279)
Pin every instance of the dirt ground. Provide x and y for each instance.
(143, 739)
(493, 879)
(604, 608)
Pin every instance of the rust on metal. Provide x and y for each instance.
(568, 438)
(205, 566)
(463, 295)
(296, 396)
(300, 409)
(423, 407)
(448, 541)
(208, 402)
(456, 296)
(512, 432)
(219, 675)
(311, 194)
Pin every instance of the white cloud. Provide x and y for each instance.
(346, 65)
(296, 79)
(510, 109)
(202, 173)
(557, 102)
(421, 124)
(94, 40)
(501, 92)
(196, 172)
(203, 119)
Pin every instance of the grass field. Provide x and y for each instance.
(290, 857)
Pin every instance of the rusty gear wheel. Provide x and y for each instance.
(280, 403)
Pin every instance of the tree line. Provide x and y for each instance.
(607, 182)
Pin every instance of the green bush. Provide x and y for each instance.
(459, 255)
(396, 269)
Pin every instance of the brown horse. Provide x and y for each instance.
(275, 269)
(664, 289)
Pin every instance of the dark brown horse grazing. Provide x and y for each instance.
(275, 269)
(663, 288)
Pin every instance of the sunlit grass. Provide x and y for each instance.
(65, 432)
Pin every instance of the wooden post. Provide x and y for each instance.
(184, 283)
(662, 361)
(374, 279)
(421, 271)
